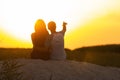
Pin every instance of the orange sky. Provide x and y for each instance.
(100, 31)
(90, 22)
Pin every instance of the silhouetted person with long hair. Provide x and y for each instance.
(56, 42)
(40, 51)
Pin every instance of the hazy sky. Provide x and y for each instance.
(90, 22)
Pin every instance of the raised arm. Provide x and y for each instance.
(64, 26)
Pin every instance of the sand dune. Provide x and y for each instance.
(66, 70)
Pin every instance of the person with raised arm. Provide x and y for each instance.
(56, 42)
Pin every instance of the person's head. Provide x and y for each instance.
(52, 26)
(40, 26)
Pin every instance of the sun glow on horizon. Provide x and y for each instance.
(18, 17)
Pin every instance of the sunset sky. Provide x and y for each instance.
(90, 22)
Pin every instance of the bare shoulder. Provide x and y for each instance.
(62, 32)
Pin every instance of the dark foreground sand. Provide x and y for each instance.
(66, 70)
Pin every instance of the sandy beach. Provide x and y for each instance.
(66, 70)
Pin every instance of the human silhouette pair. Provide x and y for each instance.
(48, 46)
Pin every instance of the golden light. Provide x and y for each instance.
(17, 17)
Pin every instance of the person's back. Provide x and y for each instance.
(38, 39)
(57, 42)
(39, 50)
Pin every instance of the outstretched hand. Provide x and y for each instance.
(64, 23)
(64, 26)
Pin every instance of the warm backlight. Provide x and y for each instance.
(17, 19)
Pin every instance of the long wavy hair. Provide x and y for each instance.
(40, 28)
